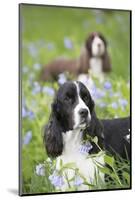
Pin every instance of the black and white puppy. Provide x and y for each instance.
(72, 113)
(73, 117)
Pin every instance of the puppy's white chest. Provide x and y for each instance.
(80, 162)
(95, 66)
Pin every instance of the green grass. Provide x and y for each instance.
(43, 30)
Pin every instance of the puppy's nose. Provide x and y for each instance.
(83, 112)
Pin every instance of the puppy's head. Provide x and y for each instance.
(96, 44)
(73, 106)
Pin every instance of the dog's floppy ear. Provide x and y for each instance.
(96, 127)
(106, 62)
(105, 57)
(56, 109)
(53, 139)
(88, 45)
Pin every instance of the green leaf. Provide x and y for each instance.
(126, 176)
(109, 160)
(95, 139)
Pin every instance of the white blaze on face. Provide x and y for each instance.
(81, 105)
(98, 47)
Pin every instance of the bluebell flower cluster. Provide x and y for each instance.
(107, 85)
(27, 138)
(56, 179)
(78, 181)
(102, 104)
(85, 148)
(40, 169)
(99, 94)
(68, 43)
(62, 78)
(48, 90)
(114, 105)
(123, 102)
(36, 88)
(27, 113)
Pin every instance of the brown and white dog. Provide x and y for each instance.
(94, 57)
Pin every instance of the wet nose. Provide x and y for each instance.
(83, 112)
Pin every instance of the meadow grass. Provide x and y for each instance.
(50, 32)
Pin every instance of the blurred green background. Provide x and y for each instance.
(49, 32)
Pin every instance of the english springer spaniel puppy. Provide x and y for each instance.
(73, 118)
(94, 57)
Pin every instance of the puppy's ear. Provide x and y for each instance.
(106, 62)
(103, 39)
(88, 45)
(91, 105)
(56, 109)
(53, 139)
(96, 127)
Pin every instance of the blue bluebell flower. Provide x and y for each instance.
(48, 90)
(107, 85)
(68, 43)
(27, 113)
(36, 89)
(93, 91)
(99, 94)
(27, 138)
(30, 114)
(87, 81)
(78, 181)
(114, 105)
(62, 78)
(123, 102)
(50, 46)
(40, 170)
(91, 180)
(56, 179)
(24, 112)
(102, 104)
(85, 148)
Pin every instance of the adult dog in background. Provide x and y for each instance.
(94, 57)
(72, 117)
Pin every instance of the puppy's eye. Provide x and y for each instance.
(68, 99)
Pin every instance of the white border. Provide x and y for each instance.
(9, 97)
